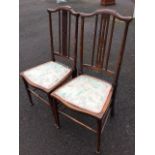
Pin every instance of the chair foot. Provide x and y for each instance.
(98, 152)
(57, 126)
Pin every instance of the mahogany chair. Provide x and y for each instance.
(86, 94)
(50, 75)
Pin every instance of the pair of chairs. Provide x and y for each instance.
(84, 93)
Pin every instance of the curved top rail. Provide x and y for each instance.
(66, 7)
(107, 11)
(99, 11)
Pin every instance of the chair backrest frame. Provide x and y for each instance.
(64, 26)
(102, 62)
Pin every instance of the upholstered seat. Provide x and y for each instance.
(85, 92)
(47, 76)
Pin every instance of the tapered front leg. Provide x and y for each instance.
(99, 124)
(113, 101)
(28, 92)
(112, 110)
(54, 109)
(56, 114)
(113, 104)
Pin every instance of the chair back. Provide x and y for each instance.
(101, 28)
(64, 37)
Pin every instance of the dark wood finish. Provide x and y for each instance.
(54, 109)
(120, 56)
(107, 2)
(64, 33)
(102, 29)
(28, 92)
(77, 121)
(102, 40)
(76, 47)
(65, 16)
(102, 58)
(103, 46)
(105, 118)
(60, 49)
(110, 43)
(94, 40)
(69, 32)
(51, 38)
(38, 96)
(99, 127)
(106, 15)
(81, 44)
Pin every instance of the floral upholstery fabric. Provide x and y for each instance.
(85, 92)
(48, 74)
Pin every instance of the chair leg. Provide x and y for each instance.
(113, 105)
(99, 124)
(54, 109)
(112, 113)
(56, 114)
(74, 74)
(28, 92)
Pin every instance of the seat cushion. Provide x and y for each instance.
(48, 75)
(86, 92)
